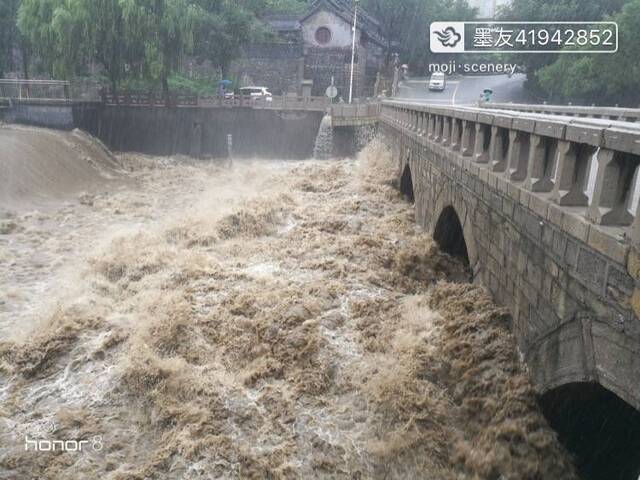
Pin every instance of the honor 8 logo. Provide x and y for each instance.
(58, 445)
(62, 445)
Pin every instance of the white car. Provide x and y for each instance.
(437, 81)
(257, 93)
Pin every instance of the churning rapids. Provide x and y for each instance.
(272, 320)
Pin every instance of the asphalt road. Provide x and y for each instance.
(466, 90)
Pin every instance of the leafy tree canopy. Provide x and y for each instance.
(554, 10)
(604, 78)
(135, 39)
(405, 23)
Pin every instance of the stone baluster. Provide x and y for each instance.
(518, 155)
(480, 155)
(446, 131)
(613, 181)
(455, 134)
(437, 134)
(570, 173)
(498, 151)
(468, 138)
(432, 126)
(423, 124)
(541, 153)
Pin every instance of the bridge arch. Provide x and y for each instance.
(454, 234)
(599, 429)
(449, 235)
(406, 183)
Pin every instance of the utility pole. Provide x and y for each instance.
(353, 47)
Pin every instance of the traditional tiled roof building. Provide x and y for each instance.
(315, 47)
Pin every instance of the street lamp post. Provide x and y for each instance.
(353, 48)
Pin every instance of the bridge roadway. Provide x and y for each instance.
(544, 209)
(466, 90)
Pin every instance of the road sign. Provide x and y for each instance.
(332, 91)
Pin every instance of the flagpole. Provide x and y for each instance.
(353, 48)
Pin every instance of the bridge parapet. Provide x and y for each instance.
(590, 163)
(20, 89)
(548, 209)
(610, 113)
(356, 114)
(278, 102)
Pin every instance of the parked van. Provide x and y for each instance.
(437, 81)
(257, 93)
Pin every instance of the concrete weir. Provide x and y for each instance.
(201, 130)
(284, 129)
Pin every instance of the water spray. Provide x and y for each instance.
(229, 150)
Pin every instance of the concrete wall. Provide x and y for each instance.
(568, 283)
(349, 140)
(202, 131)
(279, 67)
(41, 114)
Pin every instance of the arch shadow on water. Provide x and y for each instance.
(406, 184)
(598, 428)
(449, 235)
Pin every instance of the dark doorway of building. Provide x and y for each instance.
(406, 184)
(449, 235)
(598, 428)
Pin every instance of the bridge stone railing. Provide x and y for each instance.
(277, 102)
(20, 89)
(549, 209)
(610, 113)
(542, 154)
(356, 114)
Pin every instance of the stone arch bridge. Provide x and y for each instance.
(543, 207)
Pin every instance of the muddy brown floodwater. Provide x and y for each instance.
(276, 320)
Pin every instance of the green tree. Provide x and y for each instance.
(612, 78)
(8, 34)
(140, 41)
(165, 29)
(405, 24)
(58, 32)
(554, 10)
(223, 28)
(260, 7)
(110, 47)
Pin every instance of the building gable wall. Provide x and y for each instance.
(340, 30)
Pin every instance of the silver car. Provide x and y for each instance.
(437, 81)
